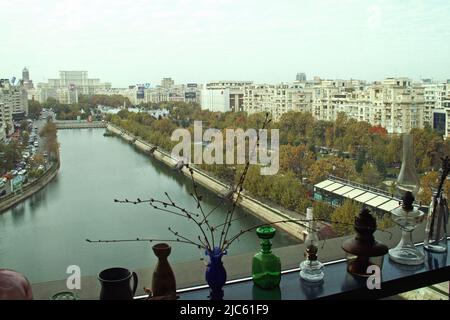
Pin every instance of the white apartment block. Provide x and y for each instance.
(394, 103)
(276, 99)
(223, 96)
(13, 102)
(2, 132)
(69, 85)
(6, 120)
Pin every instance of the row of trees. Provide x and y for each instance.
(361, 152)
(93, 101)
(10, 153)
(48, 133)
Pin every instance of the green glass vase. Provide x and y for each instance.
(266, 267)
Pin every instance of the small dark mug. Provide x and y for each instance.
(116, 284)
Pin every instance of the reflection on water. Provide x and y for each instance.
(38, 199)
(47, 232)
(18, 213)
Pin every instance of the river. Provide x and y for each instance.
(46, 233)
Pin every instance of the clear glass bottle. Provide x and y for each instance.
(407, 217)
(408, 179)
(436, 229)
(266, 267)
(311, 269)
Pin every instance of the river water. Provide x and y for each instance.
(46, 233)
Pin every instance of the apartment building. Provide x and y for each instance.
(396, 104)
(276, 99)
(6, 120)
(13, 101)
(224, 96)
(2, 132)
(437, 97)
(166, 83)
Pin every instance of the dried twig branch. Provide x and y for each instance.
(142, 240)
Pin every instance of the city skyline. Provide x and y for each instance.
(201, 41)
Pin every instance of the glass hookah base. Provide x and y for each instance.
(408, 256)
(311, 271)
(312, 276)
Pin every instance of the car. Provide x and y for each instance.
(8, 176)
(23, 172)
(14, 173)
(36, 144)
(41, 167)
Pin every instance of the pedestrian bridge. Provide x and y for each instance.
(75, 124)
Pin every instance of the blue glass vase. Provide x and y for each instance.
(216, 275)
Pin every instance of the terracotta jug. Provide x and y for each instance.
(163, 282)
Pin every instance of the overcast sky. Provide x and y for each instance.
(128, 42)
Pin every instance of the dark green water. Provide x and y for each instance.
(46, 233)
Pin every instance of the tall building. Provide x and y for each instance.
(224, 96)
(166, 83)
(26, 81)
(25, 74)
(6, 120)
(2, 130)
(13, 101)
(276, 99)
(301, 77)
(69, 85)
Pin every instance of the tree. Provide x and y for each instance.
(322, 210)
(48, 133)
(370, 175)
(360, 161)
(322, 168)
(429, 183)
(343, 218)
(296, 158)
(34, 109)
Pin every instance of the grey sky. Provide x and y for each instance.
(128, 42)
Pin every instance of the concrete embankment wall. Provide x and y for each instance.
(257, 208)
(30, 189)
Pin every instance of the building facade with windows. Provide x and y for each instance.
(396, 104)
(276, 99)
(69, 85)
(13, 101)
(224, 96)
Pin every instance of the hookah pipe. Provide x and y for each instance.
(445, 172)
